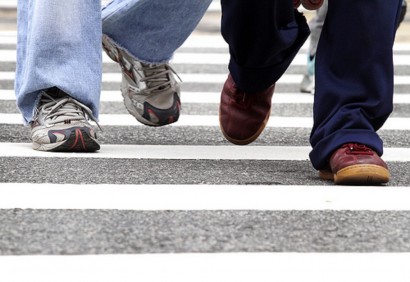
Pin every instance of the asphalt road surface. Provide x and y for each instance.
(180, 203)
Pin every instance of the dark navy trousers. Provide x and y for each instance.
(354, 63)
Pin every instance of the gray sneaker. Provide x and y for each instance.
(307, 85)
(308, 82)
(151, 93)
(61, 124)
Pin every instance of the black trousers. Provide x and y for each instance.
(354, 63)
(263, 36)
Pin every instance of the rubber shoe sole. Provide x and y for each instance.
(248, 140)
(358, 175)
(78, 139)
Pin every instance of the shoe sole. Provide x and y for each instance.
(358, 175)
(79, 140)
(171, 113)
(130, 108)
(248, 140)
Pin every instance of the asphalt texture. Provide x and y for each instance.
(85, 232)
(70, 232)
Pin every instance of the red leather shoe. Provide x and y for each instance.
(243, 116)
(356, 164)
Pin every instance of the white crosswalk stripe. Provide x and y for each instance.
(209, 78)
(263, 267)
(201, 58)
(190, 152)
(206, 120)
(203, 197)
(179, 203)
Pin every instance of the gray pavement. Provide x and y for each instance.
(172, 172)
(63, 232)
(70, 232)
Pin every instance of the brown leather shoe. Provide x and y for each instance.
(356, 164)
(243, 116)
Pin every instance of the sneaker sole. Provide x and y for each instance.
(79, 140)
(172, 113)
(358, 175)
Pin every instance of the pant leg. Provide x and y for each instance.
(354, 76)
(151, 30)
(263, 36)
(59, 44)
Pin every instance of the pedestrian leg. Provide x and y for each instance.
(59, 45)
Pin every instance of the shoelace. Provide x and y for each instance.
(357, 149)
(157, 76)
(62, 109)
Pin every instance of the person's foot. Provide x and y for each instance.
(356, 164)
(243, 116)
(61, 124)
(151, 93)
(307, 84)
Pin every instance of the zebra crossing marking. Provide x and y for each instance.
(205, 58)
(189, 152)
(394, 123)
(214, 97)
(203, 197)
(205, 267)
(217, 267)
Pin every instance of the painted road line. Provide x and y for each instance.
(192, 120)
(194, 41)
(214, 97)
(189, 152)
(217, 267)
(205, 97)
(213, 120)
(203, 197)
(210, 78)
(204, 58)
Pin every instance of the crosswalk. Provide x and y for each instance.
(179, 203)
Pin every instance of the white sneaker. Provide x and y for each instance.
(61, 124)
(151, 93)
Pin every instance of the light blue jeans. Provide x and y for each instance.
(59, 42)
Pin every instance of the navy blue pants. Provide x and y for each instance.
(354, 63)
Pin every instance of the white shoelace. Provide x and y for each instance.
(62, 109)
(156, 76)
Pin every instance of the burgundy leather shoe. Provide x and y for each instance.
(356, 164)
(243, 116)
